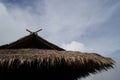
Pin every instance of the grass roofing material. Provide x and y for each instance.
(31, 41)
(34, 58)
(68, 65)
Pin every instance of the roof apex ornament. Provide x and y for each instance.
(31, 32)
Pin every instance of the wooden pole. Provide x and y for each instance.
(29, 31)
(38, 30)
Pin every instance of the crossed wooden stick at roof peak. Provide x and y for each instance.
(31, 32)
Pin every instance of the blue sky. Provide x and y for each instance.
(83, 25)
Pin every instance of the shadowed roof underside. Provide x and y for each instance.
(31, 41)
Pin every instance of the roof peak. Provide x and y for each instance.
(31, 32)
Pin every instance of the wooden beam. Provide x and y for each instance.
(38, 30)
(29, 31)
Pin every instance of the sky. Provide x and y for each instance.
(77, 25)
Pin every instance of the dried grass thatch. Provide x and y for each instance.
(32, 57)
(31, 41)
(50, 64)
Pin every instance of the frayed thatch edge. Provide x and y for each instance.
(80, 64)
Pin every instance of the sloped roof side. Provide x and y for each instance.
(31, 41)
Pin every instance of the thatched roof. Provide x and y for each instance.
(35, 58)
(67, 64)
(31, 41)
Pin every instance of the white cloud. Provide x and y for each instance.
(63, 21)
(13, 23)
(77, 14)
(71, 18)
(76, 46)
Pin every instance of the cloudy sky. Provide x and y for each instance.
(80, 25)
